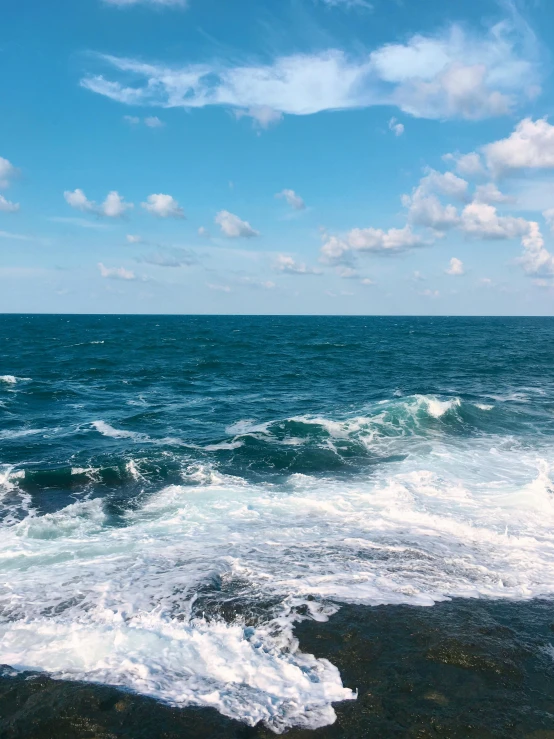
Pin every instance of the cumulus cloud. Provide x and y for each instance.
(468, 165)
(114, 206)
(428, 211)
(294, 200)
(490, 194)
(357, 240)
(6, 206)
(78, 200)
(218, 288)
(116, 273)
(455, 267)
(425, 208)
(7, 172)
(395, 127)
(531, 145)
(233, 227)
(163, 206)
(133, 239)
(287, 264)
(482, 221)
(453, 74)
(536, 259)
(203, 232)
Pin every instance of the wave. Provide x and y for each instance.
(141, 605)
(12, 379)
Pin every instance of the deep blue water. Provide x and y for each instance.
(155, 469)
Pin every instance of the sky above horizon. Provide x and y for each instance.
(277, 156)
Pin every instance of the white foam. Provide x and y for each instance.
(106, 430)
(12, 379)
(85, 600)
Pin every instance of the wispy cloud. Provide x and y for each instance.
(292, 199)
(452, 74)
(80, 222)
(285, 263)
(153, 3)
(116, 273)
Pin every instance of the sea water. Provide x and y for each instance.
(176, 493)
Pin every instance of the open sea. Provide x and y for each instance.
(241, 526)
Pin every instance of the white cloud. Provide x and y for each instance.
(7, 172)
(114, 206)
(427, 210)
(287, 264)
(482, 221)
(154, 3)
(377, 240)
(256, 283)
(233, 227)
(395, 240)
(203, 232)
(132, 239)
(163, 206)
(455, 268)
(536, 259)
(263, 116)
(348, 4)
(153, 122)
(453, 74)
(548, 216)
(367, 281)
(6, 206)
(17, 237)
(445, 183)
(81, 222)
(468, 165)
(347, 273)
(531, 145)
(294, 200)
(395, 127)
(219, 288)
(116, 273)
(78, 200)
(490, 193)
(170, 258)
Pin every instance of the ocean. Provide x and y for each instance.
(326, 526)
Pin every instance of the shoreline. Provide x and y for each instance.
(464, 668)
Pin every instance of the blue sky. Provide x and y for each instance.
(277, 156)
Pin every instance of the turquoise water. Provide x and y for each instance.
(177, 493)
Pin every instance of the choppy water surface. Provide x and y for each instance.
(177, 493)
